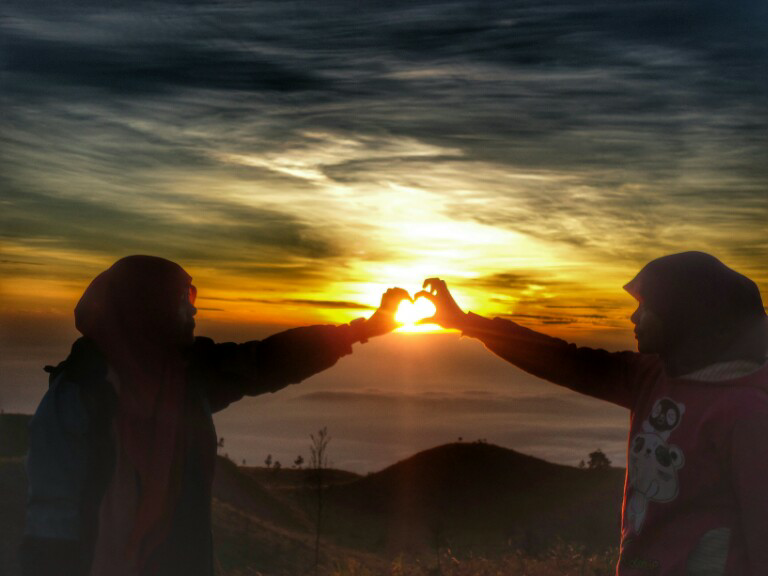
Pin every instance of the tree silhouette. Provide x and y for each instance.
(318, 461)
(598, 460)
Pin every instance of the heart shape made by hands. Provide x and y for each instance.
(409, 313)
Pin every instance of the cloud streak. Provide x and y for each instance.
(333, 304)
(299, 158)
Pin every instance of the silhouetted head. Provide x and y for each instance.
(143, 298)
(693, 311)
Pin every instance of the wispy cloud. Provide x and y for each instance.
(534, 153)
(296, 156)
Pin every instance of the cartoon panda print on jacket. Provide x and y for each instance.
(653, 463)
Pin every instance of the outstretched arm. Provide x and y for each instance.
(612, 376)
(230, 371)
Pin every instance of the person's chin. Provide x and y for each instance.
(641, 347)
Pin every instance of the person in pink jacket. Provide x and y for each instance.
(696, 488)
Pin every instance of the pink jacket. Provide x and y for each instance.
(696, 490)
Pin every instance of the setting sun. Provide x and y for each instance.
(408, 314)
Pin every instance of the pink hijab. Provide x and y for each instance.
(131, 312)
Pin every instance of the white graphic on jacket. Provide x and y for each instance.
(653, 463)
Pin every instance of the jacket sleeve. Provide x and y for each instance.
(612, 376)
(231, 371)
(749, 477)
(57, 472)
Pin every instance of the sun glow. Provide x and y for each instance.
(408, 314)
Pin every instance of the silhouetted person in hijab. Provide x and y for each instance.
(122, 446)
(696, 492)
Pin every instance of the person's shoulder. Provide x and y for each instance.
(83, 380)
(746, 408)
(747, 395)
(62, 411)
(753, 382)
(84, 363)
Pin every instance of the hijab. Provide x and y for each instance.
(710, 313)
(131, 312)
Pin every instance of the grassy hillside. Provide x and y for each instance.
(478, 497)
(244, 493)
(13, 435)
(454, 510)
(13, 486)
(297, 478)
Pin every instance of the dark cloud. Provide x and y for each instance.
(151, 68)
(540, 317)
(19, 263)
(632, 117)
(593, 305)
(555, 319)
(580, 85)
(536, 286)
(331, 304)
(513, 280)
(229, 232)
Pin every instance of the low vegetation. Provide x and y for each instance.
(466, 509)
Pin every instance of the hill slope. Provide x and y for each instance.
(13, 435)
(478, 495)
(241, 491)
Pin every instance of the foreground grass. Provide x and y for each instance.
(560, 561)
(563, 560)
